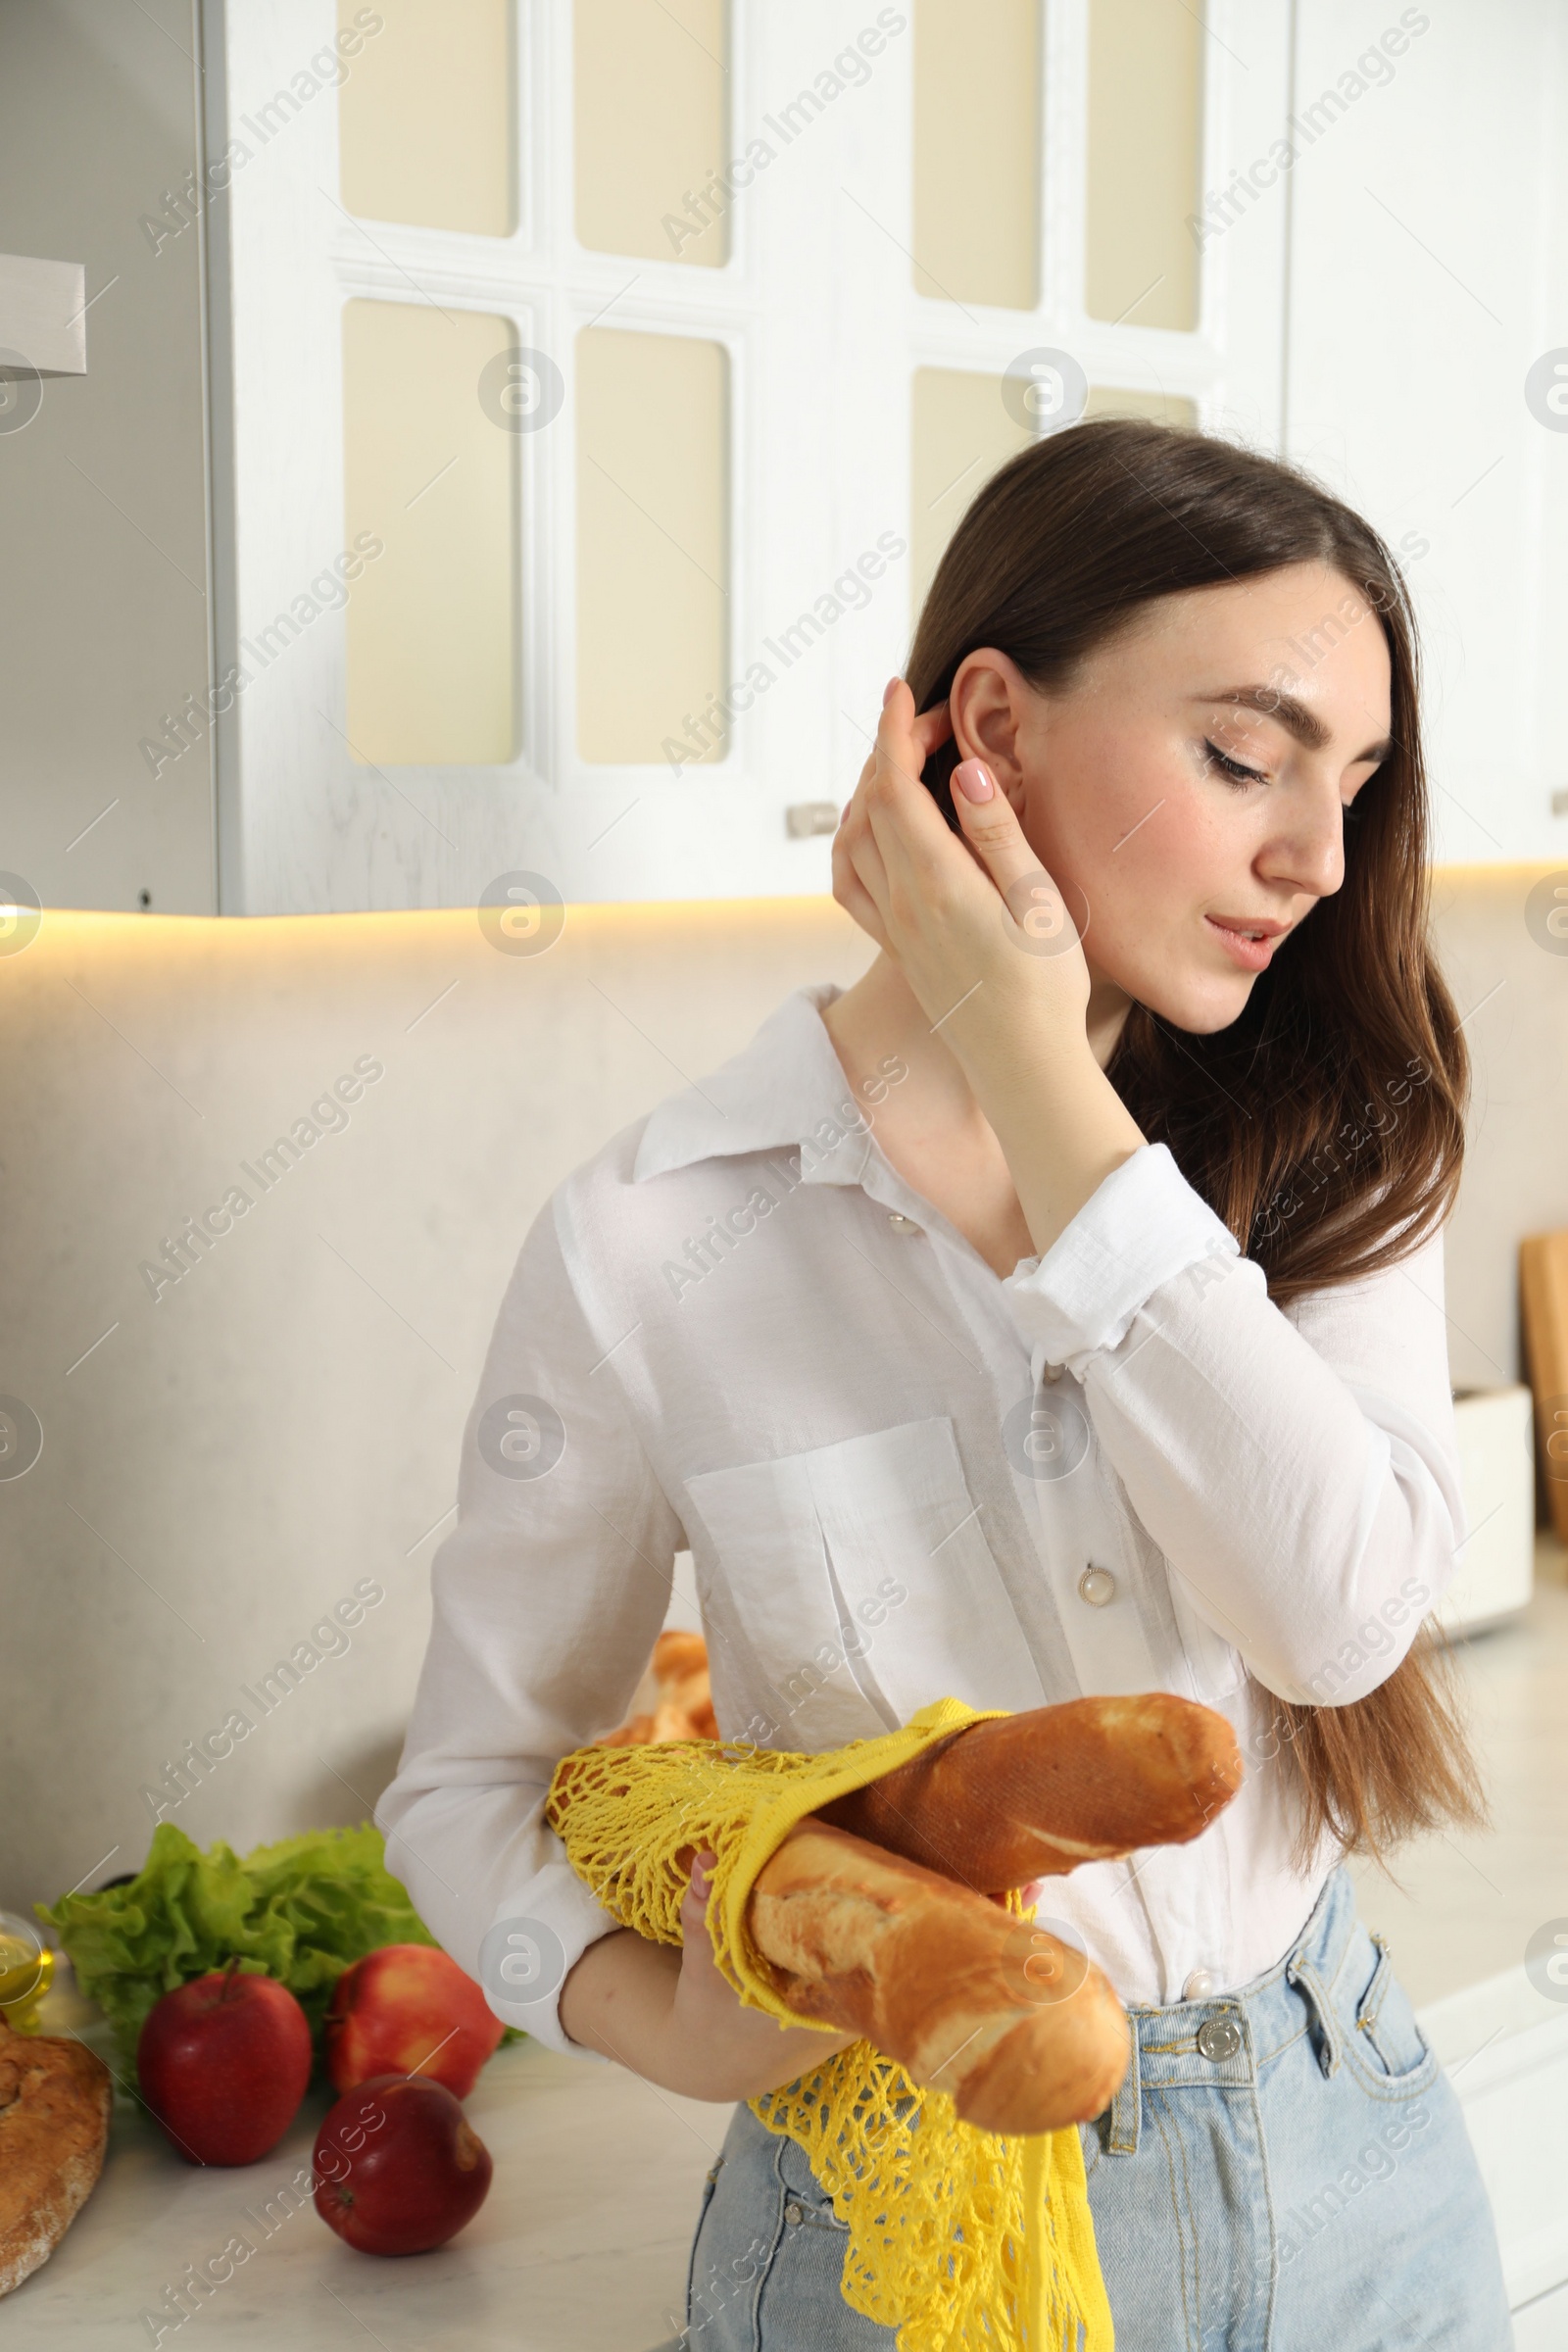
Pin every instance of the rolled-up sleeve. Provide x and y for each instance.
(548, 1596)
(1297, 1468)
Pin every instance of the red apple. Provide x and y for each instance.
(399, 2168)
(224, 2062)
(409, 2009)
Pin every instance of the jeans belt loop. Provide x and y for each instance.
(1126, 2108)
(1331, 2048)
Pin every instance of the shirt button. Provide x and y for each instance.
(792, 2213)
(1199, 1986)
(1097, 1586)
(901, 1223)
(1218, 2039)
(1051, 1373)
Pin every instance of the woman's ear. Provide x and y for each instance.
(986, 704)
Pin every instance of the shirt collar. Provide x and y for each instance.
(777, 1090)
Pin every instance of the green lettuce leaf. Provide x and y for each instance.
(300, 1911)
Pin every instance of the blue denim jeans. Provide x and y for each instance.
(1285, 2168)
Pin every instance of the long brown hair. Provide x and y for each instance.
(1326, 1125)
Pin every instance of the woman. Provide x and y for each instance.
(1094, 1341)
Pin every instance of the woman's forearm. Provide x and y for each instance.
(1062, 1124)
(617, 2001)
(671, 2017)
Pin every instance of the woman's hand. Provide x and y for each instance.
(672, 2018)
(978, 927)
(994, 958)
(741, 2051)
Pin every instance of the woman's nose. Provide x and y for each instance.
(1308, 849)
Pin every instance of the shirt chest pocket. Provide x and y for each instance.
(865, 1584)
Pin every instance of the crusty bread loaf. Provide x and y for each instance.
(1024, 2030)
(55, 2098)
(684, 1707)
(1030, 1797)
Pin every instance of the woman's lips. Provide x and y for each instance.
(1252, 955)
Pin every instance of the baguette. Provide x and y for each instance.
(1024, 2030)
(1031, 1796)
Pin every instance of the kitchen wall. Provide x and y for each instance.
(222, 1464)
(1509, 977)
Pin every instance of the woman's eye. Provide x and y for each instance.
(1232, 769)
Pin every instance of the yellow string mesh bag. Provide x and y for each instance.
(959, 2238)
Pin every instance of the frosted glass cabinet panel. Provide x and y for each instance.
(1146, 148)
(652, 553)
(977, 152)
(649, 78)
(429, 510)
(1159, 407)
(963, 428)
(960, 432)
(426, 113)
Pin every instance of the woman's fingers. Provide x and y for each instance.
(853, 850)
(904, 741)
(904, 737)
(932, 902)
(898, 691)
(892, 832)
(859, 882)
(700, 1881)
(991, 827)
(916, 851)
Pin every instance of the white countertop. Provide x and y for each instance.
(582, 2243)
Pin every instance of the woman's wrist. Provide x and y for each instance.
(999, 1056)
(1062, 1128)
(667, 2014)
(619, 1998)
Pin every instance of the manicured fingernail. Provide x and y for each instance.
(887, 691)
(973, 780)
(700, 1881)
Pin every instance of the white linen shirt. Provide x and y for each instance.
(738, 1330)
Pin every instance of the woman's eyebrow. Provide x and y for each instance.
(1293, 716)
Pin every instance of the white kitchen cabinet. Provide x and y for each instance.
(816, 312)
(1351, 308)
(1429, 349)
(821, 329)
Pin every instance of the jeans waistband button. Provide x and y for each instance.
(1219, 2038)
